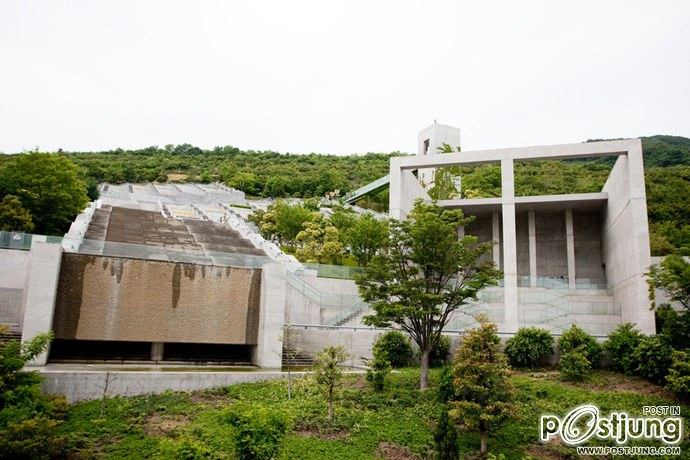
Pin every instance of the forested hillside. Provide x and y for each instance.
(266, 173)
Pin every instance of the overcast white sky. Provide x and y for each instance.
(339, 77)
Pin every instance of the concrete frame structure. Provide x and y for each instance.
(624, 233)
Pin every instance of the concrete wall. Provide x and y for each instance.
(14, 267)
(42, 284)
(109, 298)
(626, 239)
(356, 341)
(77, 385)
(522, 240)
(589, 259)
(552, 259)
(268, 352)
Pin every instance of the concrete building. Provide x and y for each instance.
(594, 245)
(165, 274)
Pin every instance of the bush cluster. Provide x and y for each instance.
(394, 347)
(662, 358)
(580, 352)
(576, 338)
(575, 366)
(653, 358)
(441, 352)
(529, 347)
(621, 345)
(678, 377)
(259, 431)
(28, 418)
(379, 368)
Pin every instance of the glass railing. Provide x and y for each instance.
(552, 282)
(334, 271)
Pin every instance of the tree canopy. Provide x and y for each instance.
(49, 186)
(425, 274)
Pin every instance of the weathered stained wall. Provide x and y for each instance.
(14, 266)
(108, 298)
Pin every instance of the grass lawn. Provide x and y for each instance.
(396, 424)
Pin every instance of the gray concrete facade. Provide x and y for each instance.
(575, 239)
(268, 351)
(44, 270)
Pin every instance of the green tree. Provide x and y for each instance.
(672, 277)
(319, 243)
(425, 275)
(18, 386)
(283, 221)
(482, 388)
(48, 185)
(13, 216)
(327, 372)
(367, 236)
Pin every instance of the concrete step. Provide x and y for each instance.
(10, 336)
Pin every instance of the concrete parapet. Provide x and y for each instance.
(80, 385)
(44, 270)
(268, 352)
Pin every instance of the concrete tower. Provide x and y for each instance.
(429, 140)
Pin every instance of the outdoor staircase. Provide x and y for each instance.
(348, 315)
(9, 336)
(297, 359)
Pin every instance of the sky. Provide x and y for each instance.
(339, 76)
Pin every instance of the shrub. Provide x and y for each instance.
(377, 372)
(483, 391)
(678, 378)
(446, 438)
(327, 372)
(28, 418)
(577, 339)
(394, 347)
(674, 327)
(446, 387)
(653, 358)
(575, 366)
(30, 438)
(259, 432)
(185, 449)
(621, 345)
(529, 347)
(441, 351)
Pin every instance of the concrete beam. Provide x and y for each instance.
(546, 152)
(579, 201)
(570, 247)
(44, 271)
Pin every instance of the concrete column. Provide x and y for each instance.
(268, 352)
(532, 229)
(395, 192)
(510, 319)
(42, 283)
(496, 237)
(157, 351)
(570, 247)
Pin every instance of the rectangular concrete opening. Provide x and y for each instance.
(121, 351)
(207, 353)
(62, 350)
